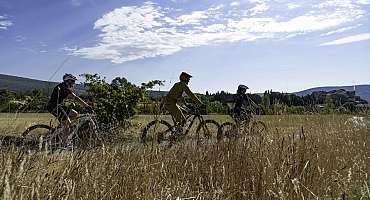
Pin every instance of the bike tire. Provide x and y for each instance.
(258, 128)
(208, 129)
(33, 136)
(228, 130)
(86, 135)
(156, 131)
(35, 127)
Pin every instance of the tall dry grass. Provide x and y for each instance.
(327, 160)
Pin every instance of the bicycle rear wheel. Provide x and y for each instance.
(34, 136)
(208, 130)
(157, 131)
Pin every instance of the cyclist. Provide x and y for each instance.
(240, 98)
(175, 94)
(60, 93)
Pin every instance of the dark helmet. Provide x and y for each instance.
(185, 76)
(67, 77)
(242, 89)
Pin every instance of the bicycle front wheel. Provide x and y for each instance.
(34, 136)
(157, 131)
(208, 130)
(86, 134)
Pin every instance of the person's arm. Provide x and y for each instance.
(77, 98)
(251, 102)
(192, 95)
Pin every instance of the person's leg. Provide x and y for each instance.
(63, 116)
(176, 113)
(72, 114)
(65, 121)
(178, 117)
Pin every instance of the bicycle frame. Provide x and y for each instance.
(192, 120)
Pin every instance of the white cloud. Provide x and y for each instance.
(235, 3)
(350, 39)
(136, 32)
(341, 30)
(4, 23)
(193, 18)
(364, 2)
(292, 6)
(259, 8)
(20, 38)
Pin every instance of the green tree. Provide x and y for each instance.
(329, 104)
(6, 97)
(216, 107)
(115, 102)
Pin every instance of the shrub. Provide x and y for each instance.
(114, 102)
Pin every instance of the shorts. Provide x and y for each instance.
(60, 112)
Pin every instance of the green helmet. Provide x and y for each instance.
(185, 76)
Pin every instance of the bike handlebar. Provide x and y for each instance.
(196, 109)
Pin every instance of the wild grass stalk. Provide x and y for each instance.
(304, 161)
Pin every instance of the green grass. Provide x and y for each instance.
(14, 124)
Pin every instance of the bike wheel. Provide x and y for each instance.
(208, 130)
(228, 130)
(157, 131)
(34, 136)
(86, 134)
(258, 128)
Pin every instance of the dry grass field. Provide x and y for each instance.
(301, 157)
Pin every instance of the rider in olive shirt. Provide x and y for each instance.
(175, 94)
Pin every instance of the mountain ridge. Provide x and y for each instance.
(360, 90)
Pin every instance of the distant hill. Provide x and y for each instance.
(20, 84)
(361, 90)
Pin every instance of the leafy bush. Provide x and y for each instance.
(216, 107)
(115, 102)
(296, 110)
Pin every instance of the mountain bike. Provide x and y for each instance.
(162, 132)
(82, 133)
(244, 123)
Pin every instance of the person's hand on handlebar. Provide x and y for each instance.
(89, 108)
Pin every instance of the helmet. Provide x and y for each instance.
(242, 89)
(67, 77)
(185, 76)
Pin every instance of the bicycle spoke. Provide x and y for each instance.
(208, 130)
(34, 136)
(156, 132)
(258, 128)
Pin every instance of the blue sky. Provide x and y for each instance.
(281, 45)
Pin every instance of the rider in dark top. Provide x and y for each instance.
(239, 99)
(60, 93)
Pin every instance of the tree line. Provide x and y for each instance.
(118, 100)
